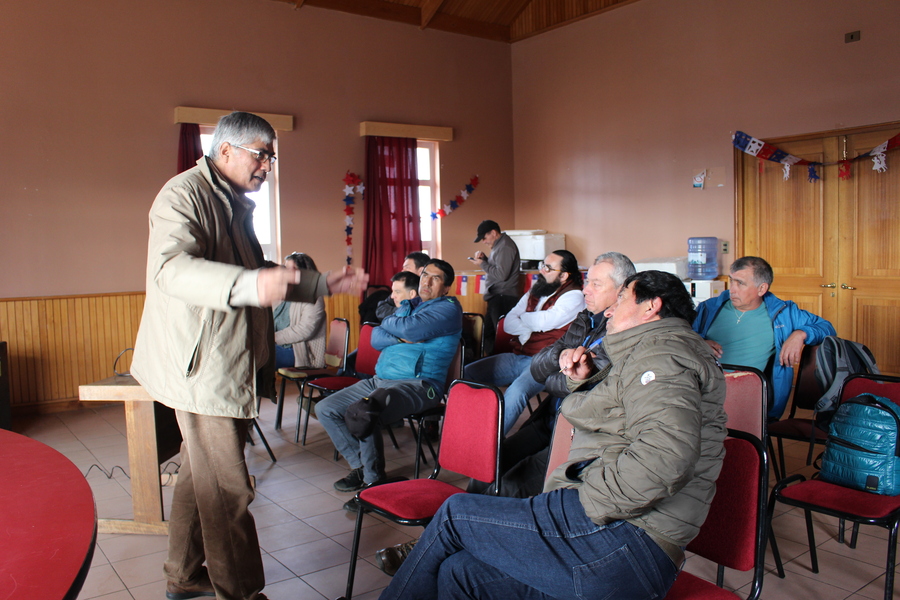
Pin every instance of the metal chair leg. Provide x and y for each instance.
(264, 441)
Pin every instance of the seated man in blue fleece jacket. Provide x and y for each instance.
(417, 346)
(748, 325)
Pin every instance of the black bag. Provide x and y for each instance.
(364, 415)
(837, 359)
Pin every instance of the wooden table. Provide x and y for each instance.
(153, 437)
(48, 523)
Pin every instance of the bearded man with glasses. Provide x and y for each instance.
(539, 318)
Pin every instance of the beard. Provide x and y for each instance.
(543, 288)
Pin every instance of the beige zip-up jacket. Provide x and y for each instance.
(202, 346)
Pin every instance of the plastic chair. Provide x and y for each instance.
(335, 360)
(473, 430)
(815, 495)
(560, 443)
(734, 533)
(366, 358)
(807, 392)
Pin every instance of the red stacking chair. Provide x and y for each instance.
(470, 446)
(322, 387)
(734, 533)
(815, 495)
(335, 360)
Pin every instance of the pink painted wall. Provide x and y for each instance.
(613, 115)
(87, 92)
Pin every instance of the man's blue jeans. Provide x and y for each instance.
(509, 369)
(542, 547)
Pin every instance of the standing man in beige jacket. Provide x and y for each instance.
(204, 348)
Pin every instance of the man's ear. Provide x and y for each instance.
(564, 276)
(762, 289)
(225, 151)
(413, 294)
(654, 307)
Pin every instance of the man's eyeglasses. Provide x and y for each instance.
(259, 155)
(547, 268)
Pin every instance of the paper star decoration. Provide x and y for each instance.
(348, 190)
(458, 200)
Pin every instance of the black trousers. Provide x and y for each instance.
(524, 456)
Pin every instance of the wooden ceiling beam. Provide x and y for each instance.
(429, 9)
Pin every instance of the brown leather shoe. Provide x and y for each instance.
(202, 587)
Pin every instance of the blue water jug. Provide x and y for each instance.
(703, 255)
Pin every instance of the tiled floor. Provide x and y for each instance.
(305, 535)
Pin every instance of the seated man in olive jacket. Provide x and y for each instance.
(646, 450)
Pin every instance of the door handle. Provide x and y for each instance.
(828, 285)
(844, 286)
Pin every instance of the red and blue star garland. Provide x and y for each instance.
(352, 183)
(459, 200)
(764, 151)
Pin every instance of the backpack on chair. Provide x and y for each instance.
(863, 449)
(837, 359)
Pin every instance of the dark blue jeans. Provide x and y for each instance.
(542, 547)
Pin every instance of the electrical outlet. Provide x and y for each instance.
(724, 247)
(853, 36)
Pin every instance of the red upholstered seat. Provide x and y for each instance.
(322, 387)
(691, 587)
(470, 446)
(860, 507)
(410, 500)
(734, 533)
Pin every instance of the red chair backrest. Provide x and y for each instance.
(503, 342)
(880, 385)
(745, 402)
(729, 534)
(561, 443)
(470, 439)
(336, 346)
(366, 355)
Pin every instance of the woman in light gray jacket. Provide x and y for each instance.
(300, 326)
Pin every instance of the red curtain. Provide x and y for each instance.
(189, 148)
(392, 227)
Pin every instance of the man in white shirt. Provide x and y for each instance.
(540, 318)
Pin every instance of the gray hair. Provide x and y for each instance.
(623, 268)
(239, 129)
(762, 271)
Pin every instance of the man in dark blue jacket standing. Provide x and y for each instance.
(417, 346)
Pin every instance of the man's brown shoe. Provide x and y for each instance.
(202, 587)
(389, 559)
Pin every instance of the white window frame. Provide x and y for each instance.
(433, 247)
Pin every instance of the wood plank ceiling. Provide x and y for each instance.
(501, 20)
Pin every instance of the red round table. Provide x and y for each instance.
(48, 523)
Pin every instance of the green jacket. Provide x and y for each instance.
(655, 427)
(201, 342)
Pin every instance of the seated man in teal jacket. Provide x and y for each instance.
(417, 346)
(744, 332)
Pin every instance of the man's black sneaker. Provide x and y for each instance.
(352, 482)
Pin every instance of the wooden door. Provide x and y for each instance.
(834, 245)
(868, 280)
